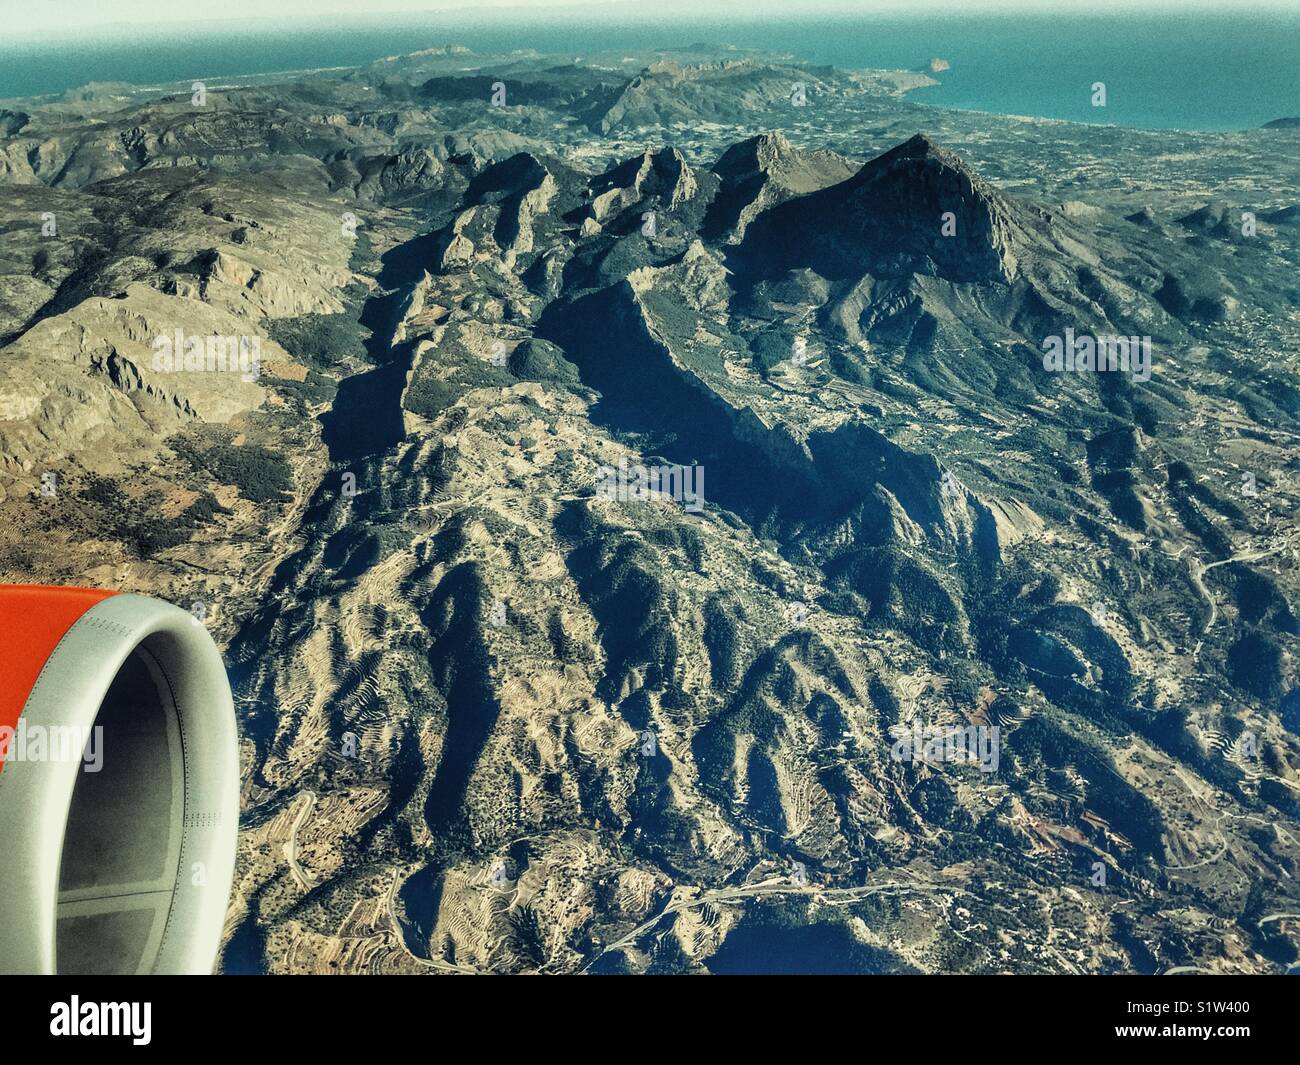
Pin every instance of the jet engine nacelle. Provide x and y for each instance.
(119, 785)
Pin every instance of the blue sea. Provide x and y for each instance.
(1196, 70)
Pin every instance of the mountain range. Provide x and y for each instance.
(497, 719)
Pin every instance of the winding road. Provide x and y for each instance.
(767, 887)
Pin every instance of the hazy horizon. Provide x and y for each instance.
(29, 24)
(1208, 68)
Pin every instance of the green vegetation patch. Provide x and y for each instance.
(260, 474)
(140, 522)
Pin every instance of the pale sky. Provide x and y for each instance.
(60, 17)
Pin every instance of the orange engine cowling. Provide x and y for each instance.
(119, 784)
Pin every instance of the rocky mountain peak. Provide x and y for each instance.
(916, 209)
(929, 203)
(762, 171)
(663, 175)
(764, 152)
